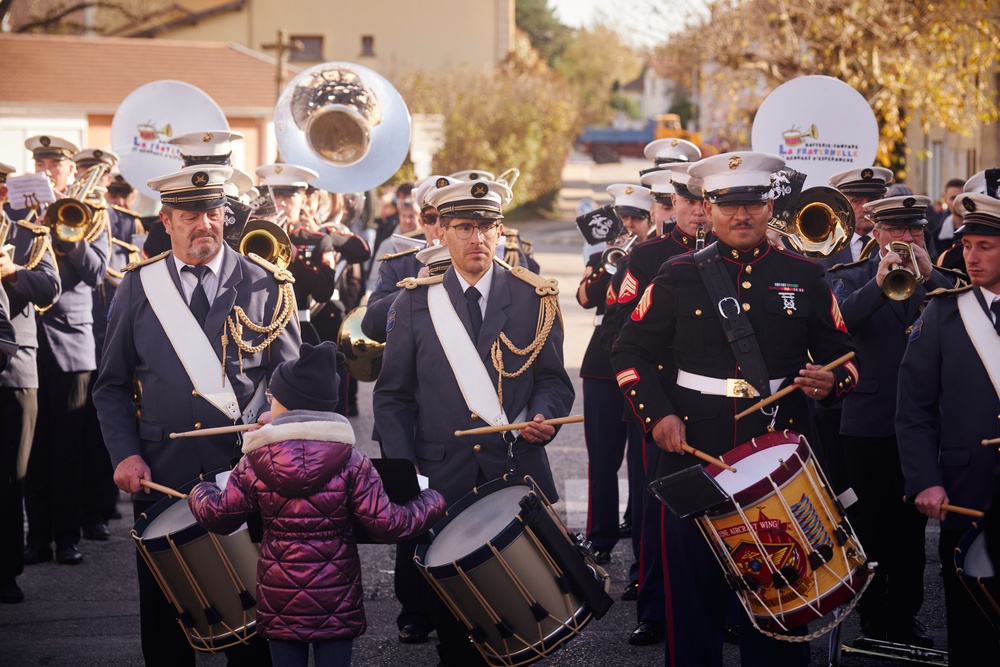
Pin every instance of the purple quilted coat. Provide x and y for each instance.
(310, 485)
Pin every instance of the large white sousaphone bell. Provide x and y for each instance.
(346, 122)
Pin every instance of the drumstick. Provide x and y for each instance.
(707, 457)
(572, 419)
(790, 388)
(162, 489)
(976, 514)
(994, 441)
(235, 428)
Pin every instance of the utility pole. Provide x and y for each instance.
(284, 46)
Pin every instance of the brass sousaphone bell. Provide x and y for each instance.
(820, 224)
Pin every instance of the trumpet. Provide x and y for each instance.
(615, 251)
(71, 218)
(900, 283)
(268, 240)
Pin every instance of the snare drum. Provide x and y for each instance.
(975, 570)
(782, 537)
(210, 580)
(506, 566)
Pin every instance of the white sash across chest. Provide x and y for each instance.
(982, 334)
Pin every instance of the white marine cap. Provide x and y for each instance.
(665, 151)
(5, 171)
(906, 210)
(89, 157)
(631, 200)
(197, 188)
(211, 147)
(863, 181)
(685, 185)
(432, 182)
(284, 178)
(239, 184)
(473, 175)
(980, 214)
(47, 146)
(738, 176)
(470, 199)
(660, 184)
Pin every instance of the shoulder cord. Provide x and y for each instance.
(547, 311)
(233, 329)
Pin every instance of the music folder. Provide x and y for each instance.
(689, 492)
(399, 478)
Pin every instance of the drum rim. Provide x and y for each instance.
(780, 476)
(181, 537)
(827, 603)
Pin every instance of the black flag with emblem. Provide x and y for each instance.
(600, 225)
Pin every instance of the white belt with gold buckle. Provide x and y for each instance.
(728, 387)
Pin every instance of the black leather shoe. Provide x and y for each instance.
(631, 592)
(913, 633)
(99, 532)
(10, 592)
(34, 553)
(412, 633)
(646, 633)
(602, 557)
(625, 528)
(68, 555)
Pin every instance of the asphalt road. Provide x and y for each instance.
(87, 615)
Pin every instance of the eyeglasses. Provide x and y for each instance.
(751, 207)
(898, 232)
(464, 230)
(429, 218)
(268, 396)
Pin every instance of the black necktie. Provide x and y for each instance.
(199, 300)
(995, 309)
(864, 241)
(472, 296)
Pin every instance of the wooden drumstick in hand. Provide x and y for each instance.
(572, 419)
(162, 489)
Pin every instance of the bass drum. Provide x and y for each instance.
(975, 571)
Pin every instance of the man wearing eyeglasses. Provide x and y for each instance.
(780, 315)
(474, 346)
(879, 317)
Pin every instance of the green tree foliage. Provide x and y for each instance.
(547, 33)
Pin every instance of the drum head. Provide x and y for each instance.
(478, 524)
(755, 467)
(173, 519)
(975, 561)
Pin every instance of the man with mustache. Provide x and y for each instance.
(781, 313)
(173, 330)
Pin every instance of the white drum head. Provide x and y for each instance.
(148, 118)
(479, 523)
(819, 125)
(175, 518)
(754, 468)
(977, 559)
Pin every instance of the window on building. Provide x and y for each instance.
(367, 45)
(311, 47)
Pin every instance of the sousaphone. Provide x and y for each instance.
(346, 122)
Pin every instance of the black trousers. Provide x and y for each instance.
(54, 484)
(891, 532)
(18, 411)
(164, 642)
(100, 495)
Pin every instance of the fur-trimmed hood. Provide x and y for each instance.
(298, 452)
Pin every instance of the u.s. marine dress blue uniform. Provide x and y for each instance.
(891, 531)
(794, 315)
(946, 406)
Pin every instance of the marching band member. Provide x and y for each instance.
(985, 182)
(178, 320)
(29, 277)
(67, 356)
(783, 299)
(891, 531)
(476, 315)
(861, 186)
(951, 356)
(665, 152)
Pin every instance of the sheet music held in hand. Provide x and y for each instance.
(600, 225)
(29, 191)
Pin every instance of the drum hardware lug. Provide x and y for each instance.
(539, 612)
(211, 616)
(820, 557)
(247, 601)
(841, 534)
(185, 619)
(785, 576)
(564, 584)
(504, 630)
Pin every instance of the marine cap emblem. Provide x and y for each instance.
(735, 161)
(675, 143)
(867, 174)
(969, 204)
(629, 190)
(909, 202)
(45, 141)
(441, 182)
(479, 190)
(207, 137)
(277, 168)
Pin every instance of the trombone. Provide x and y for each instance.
(267, 240)
(821, 225)
(615, 251)
(72, 219)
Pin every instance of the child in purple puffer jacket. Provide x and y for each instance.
(311, 485)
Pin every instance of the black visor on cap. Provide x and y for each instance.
(631, 212)
(663, 198)
(186, 202)
(976, 223)
(682, 191)
(870, 189)
(472, 209)
(740, 193)
(190, 160)
(286, 190)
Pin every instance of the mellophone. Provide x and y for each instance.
(780, 535)
(209, 580)
(508, 568)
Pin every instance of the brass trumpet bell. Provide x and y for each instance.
(822, 225)
(615, 251)
(900, 282)
(346, 122)
(362, 355)
(267, 240)
(69, 219)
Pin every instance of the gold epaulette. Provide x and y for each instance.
(394, 255)
(35, 229)
(126, 245)
(838, 267)
(413, 283)
(543, 286)
(126, 211)
(942, 291)
(280, 274)
(132, 266)
(956, 273)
